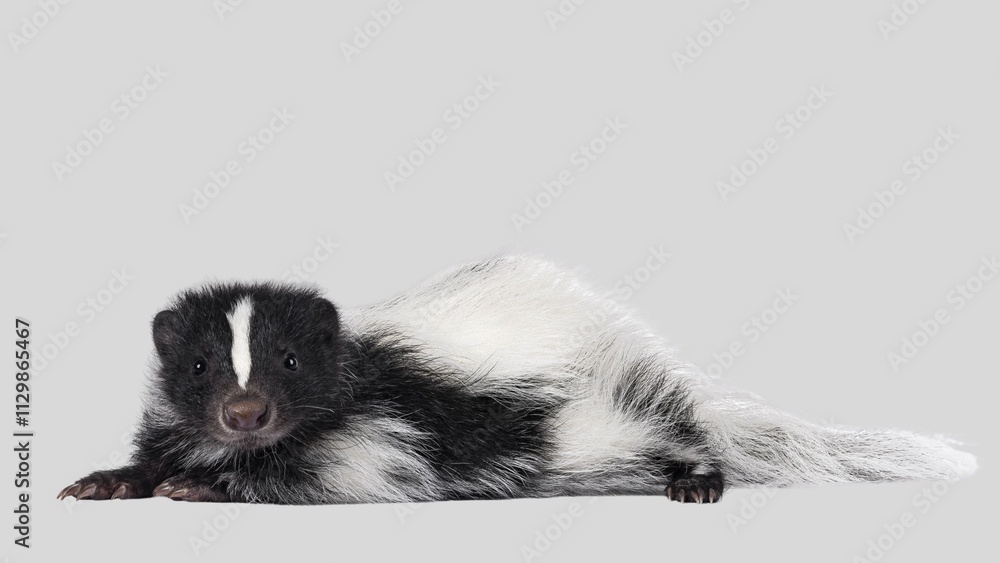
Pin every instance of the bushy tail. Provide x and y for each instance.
(760, 445)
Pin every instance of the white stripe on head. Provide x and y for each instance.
(239, 322)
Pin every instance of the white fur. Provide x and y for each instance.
(361, 465)
(508, 321)
(239, 322)
(511, 323)
(812, 454)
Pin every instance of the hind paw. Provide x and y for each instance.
(696, 488)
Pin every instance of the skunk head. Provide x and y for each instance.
(245, 365)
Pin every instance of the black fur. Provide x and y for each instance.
(185, 451)
(472, 431)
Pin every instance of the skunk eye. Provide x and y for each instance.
(291, 363)
(199, 367)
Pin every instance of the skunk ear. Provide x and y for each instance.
(166, 332)
(327, 318)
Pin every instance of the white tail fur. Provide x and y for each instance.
(760, 445)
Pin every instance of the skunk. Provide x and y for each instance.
(490, 381)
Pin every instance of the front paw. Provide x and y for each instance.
(103, 485)
(191, 489)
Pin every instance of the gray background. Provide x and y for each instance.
(322, 176)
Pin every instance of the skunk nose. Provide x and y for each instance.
(245, 415)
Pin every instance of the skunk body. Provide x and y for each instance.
(500, 379)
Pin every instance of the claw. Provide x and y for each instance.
(69, 491)
(87, 492)
(119, 492)
(178, 494)
(163, 489)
